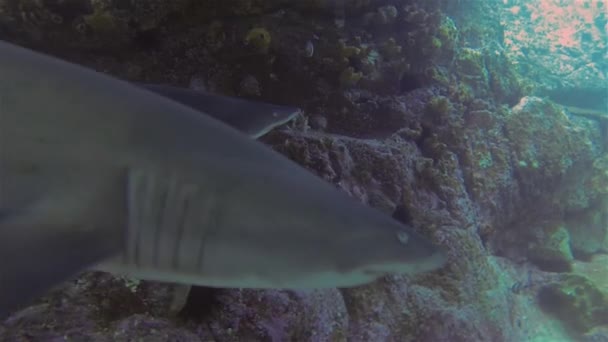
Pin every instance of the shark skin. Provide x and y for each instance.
(98, 173)
(250, 117)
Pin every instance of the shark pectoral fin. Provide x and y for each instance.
(179, 298)
(250, 117)
(53, 240)
(35, 258)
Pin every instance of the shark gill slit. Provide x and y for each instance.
(161, 216)
(211, 224)
(145, 198)
(145, 207)
(160, 203)
(135, 216)
(163, 200)
(201, 253)
(208, 223)
(131, 222)
(181, 223)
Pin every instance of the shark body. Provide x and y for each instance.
(99, 173)
(250, 117)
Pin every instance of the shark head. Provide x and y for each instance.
(290, 229)
(385, 246)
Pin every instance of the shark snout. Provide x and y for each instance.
(411, 253)
(399, 249)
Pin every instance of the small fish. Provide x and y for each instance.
(98, 173)
(309, 49)
(250, 117)
(523, 285)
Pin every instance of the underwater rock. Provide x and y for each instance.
(597, 334)
(552, 250)
(599, 180)
(544, 165)
(382, 16)
(561, 48)
(86, 23)
(553, 156)
(250, 86)
(576, 301)
(145, 328)
(450, 168)
(588, 231)
(595, 269)
(349, 77)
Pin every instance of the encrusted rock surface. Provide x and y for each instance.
(406, 109)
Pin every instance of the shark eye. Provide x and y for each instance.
(402, 237)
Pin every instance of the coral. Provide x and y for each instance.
(250, 86)
(470, 62)
(347, 51)
(151, 14)
(382, 16)
(215, 35)
(349, 77)
(390, 49)
(247, 7)
(461, 92)
(447, 32)
(438, 106)
(101, 21)
(387, 14)
(259, 39)
(436, 43)
(85, 24)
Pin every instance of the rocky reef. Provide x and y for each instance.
(413, 107)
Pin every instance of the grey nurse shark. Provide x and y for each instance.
(99, 173)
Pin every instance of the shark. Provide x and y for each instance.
(253, 118)
(97, 173)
